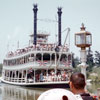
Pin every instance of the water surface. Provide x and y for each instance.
(11, 92)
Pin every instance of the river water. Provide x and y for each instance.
(11, 92)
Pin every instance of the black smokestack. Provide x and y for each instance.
(35, 9)
(59, 25)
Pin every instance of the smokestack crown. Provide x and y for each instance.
(35, 9)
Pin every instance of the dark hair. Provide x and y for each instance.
(64, 98)
(78, 80)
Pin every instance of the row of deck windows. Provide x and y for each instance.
(37, 57)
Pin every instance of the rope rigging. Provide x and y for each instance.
(48, 20)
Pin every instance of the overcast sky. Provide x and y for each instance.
(16, 21)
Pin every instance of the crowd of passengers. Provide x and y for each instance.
(51, 76)
(40, 76)
(46, 47)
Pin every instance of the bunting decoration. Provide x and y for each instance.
(42, 63)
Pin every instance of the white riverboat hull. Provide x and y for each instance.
(60, 84)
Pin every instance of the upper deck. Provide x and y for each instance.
(42, 51)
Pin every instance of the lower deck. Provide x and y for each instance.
(38, 78)
(61, 84)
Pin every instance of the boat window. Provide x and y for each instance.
(69, 57)
(10, 73)
(27, 58)
(5, 62)
(63, 57)
(32, 55)
(38, 56)
(24, 59)
(46, 56)
(53, 57)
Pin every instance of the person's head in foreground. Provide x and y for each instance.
(57, 94)
(77, 83)
(77, 86)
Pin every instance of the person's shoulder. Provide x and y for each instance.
(86, 96)
(78, 97)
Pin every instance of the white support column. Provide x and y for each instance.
(26, 59)
(11, 76)
(71, 61)
(7, 75)
(18, 76)
(34, 75)
(67, 59)
(22, 77)
(83, 64)
(34, 59)
(55, 59)
(47, 74)
(42, 57)
(15, 74)
(26, 77)
(3, 74)
(55, 63)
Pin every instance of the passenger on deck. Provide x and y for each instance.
(41, 77)
(77, 86)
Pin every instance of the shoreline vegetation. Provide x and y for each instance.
(93, 62)
(93, 75)
(1, 65)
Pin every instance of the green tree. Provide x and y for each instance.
(1, 68)
(75, 61)
(97, 58)
(90, 60)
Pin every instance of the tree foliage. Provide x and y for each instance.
(1, 68)
(93, 60)
(75, 61)
(97, 58)
(90, 60)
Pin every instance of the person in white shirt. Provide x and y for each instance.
(77, 85)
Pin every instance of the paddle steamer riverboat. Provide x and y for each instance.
(41, 64)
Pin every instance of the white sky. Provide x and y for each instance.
(16, 21)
